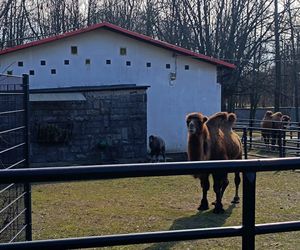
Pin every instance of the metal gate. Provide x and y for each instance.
(15, 199)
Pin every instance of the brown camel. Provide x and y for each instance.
(266, 125)
(214, 140)
(199, 145)
(276, 124)
(286, 123)
(206, 142)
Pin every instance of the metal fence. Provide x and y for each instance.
(283, 142)
(15, 202)
(247, 230)
(15, 211)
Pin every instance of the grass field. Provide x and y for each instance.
(161, 203)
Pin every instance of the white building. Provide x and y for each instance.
(180, 80)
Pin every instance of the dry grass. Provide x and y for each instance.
(161, 203)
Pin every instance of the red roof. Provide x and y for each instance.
(125, 32)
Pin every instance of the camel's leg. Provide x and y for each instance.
(204, 181)
(225, 183)
(218, 179)
(237, 181)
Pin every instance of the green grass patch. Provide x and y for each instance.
(161, 203)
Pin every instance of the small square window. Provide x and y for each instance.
(9, 72)
(108, 61)
(20, 64)
(87, 61)
(43, 62)
(168, 66)
(123, 51)
(53, 71)
(74, 50)
(66, 62)
(148, 64)
(31, 72)
(128, 63)
(186, 67)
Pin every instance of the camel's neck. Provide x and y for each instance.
(196, 147)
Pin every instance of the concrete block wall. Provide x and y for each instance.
(109, 126)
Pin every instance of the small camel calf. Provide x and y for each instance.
(157, 147)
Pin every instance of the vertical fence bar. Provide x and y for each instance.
(28, 218)
(283, 143)
(248, 237)
(250, 138)
(245, 142)
(279, 140)
(298, 140)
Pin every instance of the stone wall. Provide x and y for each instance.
(108, 126)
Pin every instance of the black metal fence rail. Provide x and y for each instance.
(247, 230)
(15, 211)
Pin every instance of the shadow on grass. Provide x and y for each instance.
(200, 220)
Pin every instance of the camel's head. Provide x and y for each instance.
(286, 120)
(151, 138)
(268, 114)
(194, 122)
(231, 119)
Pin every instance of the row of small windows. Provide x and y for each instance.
(74, 51)
(31, 72)
(43, 62)
(128, 63)
(88, 62)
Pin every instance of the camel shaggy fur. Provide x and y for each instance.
(234, 148)
(213, 139)
(286, 124)
(266, 125)
(199, 145)
(276, 124)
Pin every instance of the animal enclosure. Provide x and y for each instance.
(15, 212)
(287, 143)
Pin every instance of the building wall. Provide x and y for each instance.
(194, 89)
(110, 126)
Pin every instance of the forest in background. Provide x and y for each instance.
(238, 31)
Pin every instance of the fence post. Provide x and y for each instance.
(250, 138)
(245, 142)
(248, 237)
(28, 217)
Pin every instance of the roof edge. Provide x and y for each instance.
(89, 88)
(128, 33)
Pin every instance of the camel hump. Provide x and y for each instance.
(217, 119)
(277, 115)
